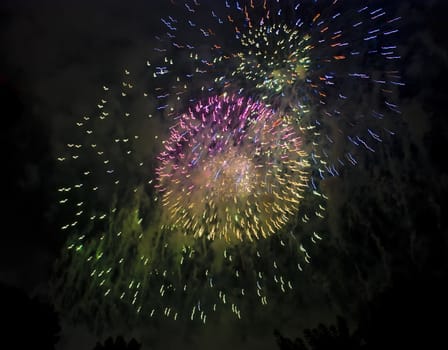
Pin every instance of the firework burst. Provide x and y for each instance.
(259, 102)
(332, 65)
(232, 168)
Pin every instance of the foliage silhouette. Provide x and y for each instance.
(118, 344)
(405, 316)
(322, 338)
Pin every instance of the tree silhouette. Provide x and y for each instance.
(405, 316)
(322, 338)
(118, 344)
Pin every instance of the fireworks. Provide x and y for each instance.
(206, 195)
(232, 168)
(276, 58)
(328, 64)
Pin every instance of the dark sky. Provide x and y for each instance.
(387, 216)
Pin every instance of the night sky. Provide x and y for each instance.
(382, 270)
